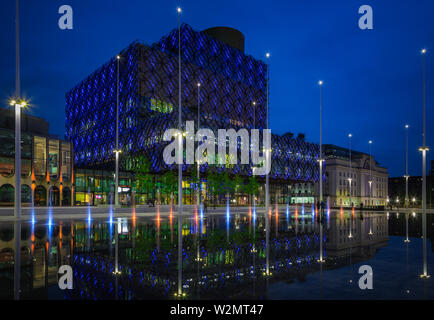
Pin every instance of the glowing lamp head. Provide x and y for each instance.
(370, 141)
(267, 55)
(254, 103)
(23, 104)
(12, 102)
(179, 9)
(320, 82)
(423, 51)
(198, 84)
(350, 135)
(406, 126)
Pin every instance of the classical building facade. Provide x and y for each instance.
(46, 163)
(369, 181)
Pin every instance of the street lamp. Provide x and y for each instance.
(198, 163)
(406, 165)
(370, 171)
(180, 157)
(117, 150)
(267, 159)
(350, 178)
(18, 105)
(320, 160)
(424, 150)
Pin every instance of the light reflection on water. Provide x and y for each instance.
(223, 256)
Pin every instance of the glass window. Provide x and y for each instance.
(40, 156)
(66, 161)
(53, 159)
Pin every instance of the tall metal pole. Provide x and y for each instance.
(320, 141)
(320, 172)
(198, 164)
(117, 151)
(370, 172)
(350, 178)
(180, 159)
(253, 168)
(406, 166)
(17, 209)
(267, 154)
(350, 181)
(424, 149)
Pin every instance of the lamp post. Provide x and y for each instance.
(253, 167)
(267, 155)
(406, 166)
(424, 150)
(198, 163)
(180, 158)
(16, 104)
(349, 181)
(320, 160)
(117, 151)
(350, 173)
(370, 172)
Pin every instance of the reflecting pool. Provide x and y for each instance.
(222, 257)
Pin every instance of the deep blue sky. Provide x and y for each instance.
(372, 78)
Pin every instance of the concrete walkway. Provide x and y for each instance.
(41, 213)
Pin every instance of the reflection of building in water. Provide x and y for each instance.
(397, 225)
(368, 232)
(43, 250)
(216, 260)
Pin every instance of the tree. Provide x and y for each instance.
(252, 187)
(144, 180)
(169, 184)
(213, 185)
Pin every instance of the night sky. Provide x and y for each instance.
(372, 78)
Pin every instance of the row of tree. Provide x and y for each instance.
(218, 183)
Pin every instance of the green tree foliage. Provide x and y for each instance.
(169, 183)
(144, 180)
(252, 187)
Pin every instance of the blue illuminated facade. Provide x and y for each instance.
(230, 82)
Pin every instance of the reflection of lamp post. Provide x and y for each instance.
(424, 150)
